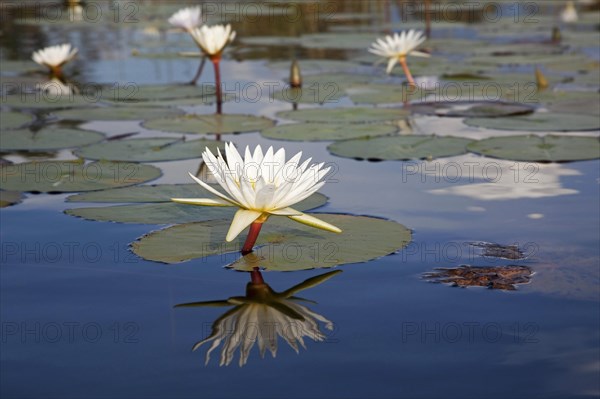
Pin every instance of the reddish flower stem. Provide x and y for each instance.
(256, 277)
(252, 236)
(427, 5)
(215, 62)
(409, 76)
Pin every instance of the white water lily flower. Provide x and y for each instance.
(261, 185)
(54, 56)
(213, 39)
(569, 13)
(397, 47)
(186, 18)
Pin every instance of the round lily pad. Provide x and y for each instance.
(481, 109)
(52, 137)
(41, 99)
(538, 148)
(400, 147)
(307, 95)
(117, 113)
(132, 93)
(539, 122)
(171, 212)
(210, 124)
(13, 120)
(316, 131)
(8, 198)
(148, 149)
(345, 115)
(282, 244)
(73, 176)
(379, 93)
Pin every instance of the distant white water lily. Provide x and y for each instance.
(54, 57)
(397, 47)
(213, 39)
(187, 18)
(261, 185)
(569, 13)
(262, 316)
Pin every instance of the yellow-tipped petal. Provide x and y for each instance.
(202, 201)
(242, 219)
(314, 222)
(286, 212)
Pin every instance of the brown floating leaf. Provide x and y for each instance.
(493, 277)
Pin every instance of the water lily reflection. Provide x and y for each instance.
(260, 317)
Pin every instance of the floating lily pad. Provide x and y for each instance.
(148, 149)
(491, 250)
(73, 176)
(400, 147)
(345, 115)
(117, 113)
(171, 212)
(52, 137)
(481, 109)
(379, 93)
(8, 198)
(271, 40)
(495, 277)
(326, 131)
(210, 124)
(132, 93)
(337, 41)
(282, 245)
(536, 148)
(315, 65)
(13, 120)
(44, 100)
(539, 122)
(318, 95)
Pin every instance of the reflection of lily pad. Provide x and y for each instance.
(536, 148)
(52, 137)
(171, 213)
(400, 147)
(213, 123)
(13, 120)
(345, 115)
(117, 113)
(73, 176)
(539, 122)
(481, 109)
(8, 198)
(326, 131)
(497, 277)
(282, 244)
(148, 149)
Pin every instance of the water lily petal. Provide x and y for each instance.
(202, 201)
(242, 219)
(314, 222)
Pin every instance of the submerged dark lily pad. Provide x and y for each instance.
(73, 176)
(496, 277)
(539, 122)
(52, 137)
(538, 148)
(345, 115)
(210, 124)
(400, 147)
(148, 149)
(171, 212)
(282, 245)
(319, 131)
(481, 109)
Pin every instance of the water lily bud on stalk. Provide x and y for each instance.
(275, 186)
(295, 76)
(54, 57)
(397, 47)
(540, 79)
(556, 35)
(213, 40)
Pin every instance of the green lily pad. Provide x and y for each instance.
(535, 148)
(400, 147)
(345, 115)
(319, 65)
(282, 245)
(117, 113)
(41, 100)
(73, 176)
(379, 93)
(210, 124)
(52, 137)
(326, 131)
(148, 149)
(482, 109)
(13, 120)
(271, 40)
(539, 122)
(171, 212)
(338, 41)
(319, 95)
(132, 93)
(8, 198)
